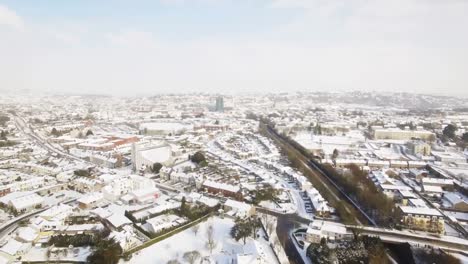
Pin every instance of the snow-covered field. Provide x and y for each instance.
(287, 208)
(225, 251)
(328, 143)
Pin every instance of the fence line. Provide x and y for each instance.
(166, 235)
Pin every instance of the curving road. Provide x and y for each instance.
(23, 127)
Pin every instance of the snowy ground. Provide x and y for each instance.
(4, 216)
(64, 254)
(450, 231)
(287, 208)
(225, 251)
(461, 257)
(61, 196)
(270, 223)
(300, 205)
(328, 143)
(303, 251)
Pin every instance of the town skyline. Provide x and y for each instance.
(234, 131)
(141, 47)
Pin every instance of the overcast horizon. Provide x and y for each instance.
(130, 48)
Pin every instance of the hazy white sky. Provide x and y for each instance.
(146, 47)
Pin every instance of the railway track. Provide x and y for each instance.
(338, 194)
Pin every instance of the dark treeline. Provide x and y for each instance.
(360, 250)
(355, 183)
(362, 189)
(78, 240)
(345, 211)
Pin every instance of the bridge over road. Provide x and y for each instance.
(449, 243)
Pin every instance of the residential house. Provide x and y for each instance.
(422, 218)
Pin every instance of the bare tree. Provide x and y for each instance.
(356, 233)
(335, 154)
(255, 224)
(192, 256)
(210, 241)
(195, 229)
(277, 245)
(264, 217)
(48, 254)
(269, 226)
(461, 178)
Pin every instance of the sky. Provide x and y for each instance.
(145, 47)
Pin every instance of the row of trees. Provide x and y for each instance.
(82, 173)
(198, 158)
(410, 125)
(4, 142)
(78, 240)
(347, 213)
(54, 132)
(7, 143)
(356, 183)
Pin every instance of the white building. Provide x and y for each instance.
(58, 212)
(27, 203)
(449, 157)
(145, 196)
(144, 155)
(163, 222)
(120, 186)
(104, 161)
(165, 128)
(320, 204)
(399, 134)
(332, 231)
(85, 185)
(140, 182)
(393, 191)
(117, 188)
(15, 248)
(437, 182)
(27, 185)
(118, 221)
(90, 201)
(239, 209)
(157, 209)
